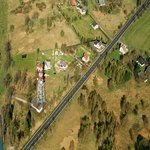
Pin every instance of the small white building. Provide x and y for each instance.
(47, 65)
(123, 49)
(38, 108)
(95, 25)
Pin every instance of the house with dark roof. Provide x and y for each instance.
(72, 2)
(101, 2)
(141, 61)
(98, 44)
(36, 105)
(95, 25)
(86, 57)
(81, 9)
(142, 76)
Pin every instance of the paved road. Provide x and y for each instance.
(68, 97)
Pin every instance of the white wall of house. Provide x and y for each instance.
(85, 60)
(95, 27)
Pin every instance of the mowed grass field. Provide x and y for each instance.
(138, 35)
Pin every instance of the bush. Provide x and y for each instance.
(12, 27)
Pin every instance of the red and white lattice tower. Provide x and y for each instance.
(40, 92)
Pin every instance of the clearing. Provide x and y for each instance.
(28, 37)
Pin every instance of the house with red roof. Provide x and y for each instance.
(72, 2)
(86, 57)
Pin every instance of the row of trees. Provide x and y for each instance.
(101, 122)
(121, 71)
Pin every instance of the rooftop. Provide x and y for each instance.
(72, 2)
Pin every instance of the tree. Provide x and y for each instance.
(71, 147)
(27, 19)
(63, 148)
(21, 2)
(84, 128)
(17, 76)
(142, 143)
(9, 94)
(12, 27)
(49, 22)
(8, 60)
(95, 81)
(142, 102)
(27, 123)
(62, 33)
(77, 74)
(56, 45)
(131, 134)
(7, 80)
(145, 119)
(23, 77)
(8, 46)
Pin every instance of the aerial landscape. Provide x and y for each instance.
(74, 74)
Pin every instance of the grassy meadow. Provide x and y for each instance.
(138, 35)
(3, 37)
(66, 126)
(84, 28)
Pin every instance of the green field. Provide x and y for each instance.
(116, 55)
(3, 34)
(81, 49)
(28, 63)
(83, 28)
(138, 35)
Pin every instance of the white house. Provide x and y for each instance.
(86, 57)
(98, 44)
(123, 49)
(47, 65)
(38, 108)
(95, 25)
(81, 9)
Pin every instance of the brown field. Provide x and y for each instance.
(110, 22)
(64, 130)
(66, 126)
(40, 38)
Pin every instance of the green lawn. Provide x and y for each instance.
(116, 55)
(28, 63)
(81, 49)
(138, 35)
(84, 28)
(3, 34)
(70, 12)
